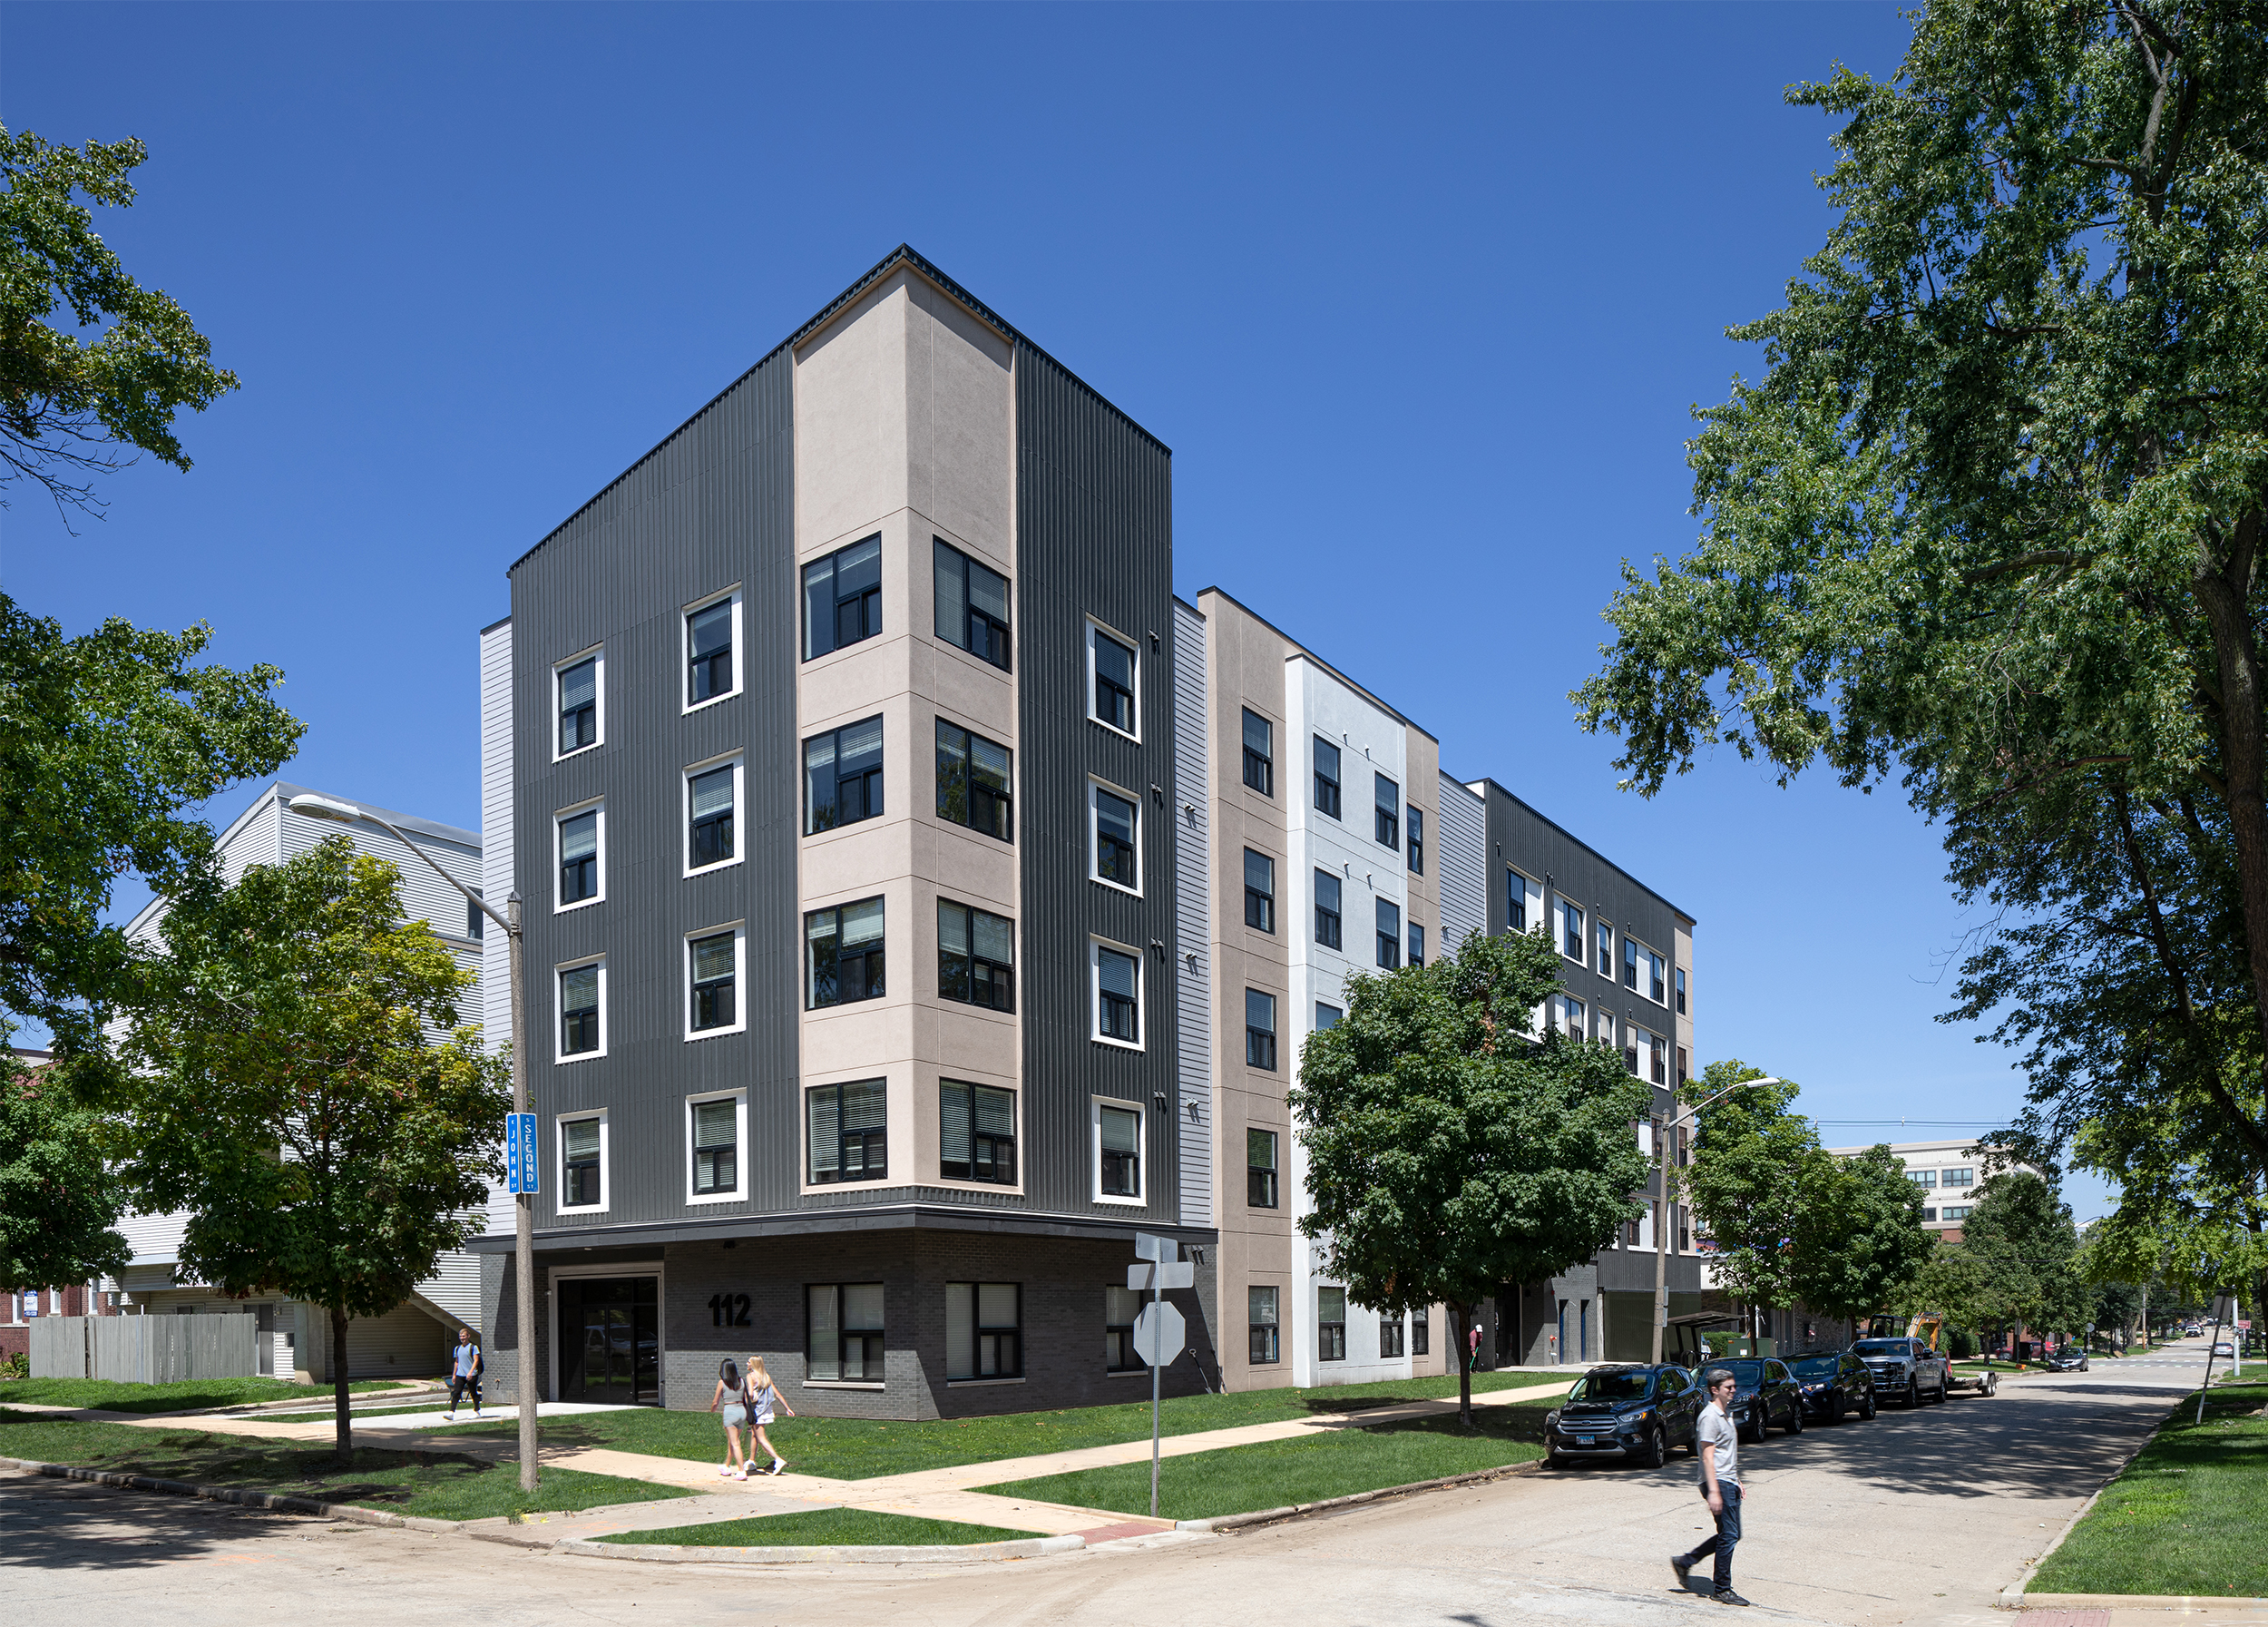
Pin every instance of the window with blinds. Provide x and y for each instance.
(708, 801)
(579, 858)
(984, 1330)
(977, 1133)
(715, 1147)
(843, 1332)
(1121, 1306)
(1120, 1131)
(848, 1131)
(971, 605)
(582, 1179)
(976, 956)
(842, 772)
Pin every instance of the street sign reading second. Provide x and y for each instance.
(1159, 1334)
(519, 1163)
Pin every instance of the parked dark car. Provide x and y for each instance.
(2069, 1359)
(1763, 1395)
(1634, 1411)
(1833, 1383)
(1905, 1369)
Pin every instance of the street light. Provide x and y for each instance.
(522, 1212)
(1662, 1226)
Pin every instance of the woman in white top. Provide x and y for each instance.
(763, 1396)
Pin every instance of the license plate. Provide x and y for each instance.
(1587, 1440)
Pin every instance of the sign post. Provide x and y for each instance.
(1159, 1330)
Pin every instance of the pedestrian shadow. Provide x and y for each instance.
(62, 1525)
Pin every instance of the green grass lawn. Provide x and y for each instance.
(166, 1398)
(825, 1527)
(1333, 1463)
(2186, 1516)
(442, 1486)
(861, 1448)
(328, 1413)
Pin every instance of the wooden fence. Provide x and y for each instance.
(146, 1349)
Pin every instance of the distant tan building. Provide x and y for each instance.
(1948, 1173)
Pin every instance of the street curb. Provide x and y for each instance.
(667, 1553)
(2141, 1602)
(227, 1493)
(1270, 1516)
(2014, 1592)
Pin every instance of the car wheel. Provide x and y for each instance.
(1795, 1419)
(1835, 1407)
(1657, 1451)
(1552, 1460)
(1867, 1412)
(1913, 1392)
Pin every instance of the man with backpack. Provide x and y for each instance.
(464, 1371)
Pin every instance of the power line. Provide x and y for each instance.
(1937, 1124)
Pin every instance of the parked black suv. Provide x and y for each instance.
(1833, 1383)
(1632, 1411)
(1763, 1394)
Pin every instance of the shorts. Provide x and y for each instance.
(736, 1415)
(762, 1419)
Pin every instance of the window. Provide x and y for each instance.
(841, 598)
(1571, 930)
(1955, 1211)
(1326, 1016)
(984, 1330)
(972, 782)
(1421, 1333)
(1681, 991)
(976, 956)
(578, 705)
(1515, 901)
(1570, 1015)
(1656, 978)
(1259, 753)
(1389, 933)
(1260, 1316)
(977, 1134)
(971, 605)
(1606, 1027)
(1112, 664)
(1330, 1323)
(475, 918)
(1657, 1059)
(843, 1332)
(709, 640)
(845, 960)
(710, 797)
(1121, 1306)
(1417, 945)
(582, 1164)
(1392, 1337)
(1926, 1178)
(1389, 812)
(578, 857)
(717, 1147)
(1417, 842)
(1681, 1064)
(1606, 934)
(1928, 1214)
(841, 773)
(1629, 962)
(1260, 891)
(580, 992)
(1113, 818)
(714, 968)
(1260, 1168)
(1958, 1177)
(1259, 1030)
(1326, 909)
(1119, 1131)
(1326, 777)
(848, 1127)
(1117, 997)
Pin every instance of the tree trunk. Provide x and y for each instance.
(1464, 1362)
(338, 1387)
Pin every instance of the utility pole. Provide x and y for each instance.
(1663, 1227)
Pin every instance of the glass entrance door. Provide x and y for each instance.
(610, 1347)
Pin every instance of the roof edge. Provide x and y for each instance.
(1364, 690)
(1490, 780)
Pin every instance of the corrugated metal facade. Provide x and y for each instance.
(1191, 966)
(1465, 864)
(496, 866)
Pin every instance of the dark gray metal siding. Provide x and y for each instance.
(1094, 505)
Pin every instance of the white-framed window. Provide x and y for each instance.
(1603, 933)
(579, 702)
(1113, 679)
(716, 981)
(1569, 1016)
(580, 1029)
(713, 646)
(1644, 972)
(582, 1149)
(1605, 1035)
(579, 856)
(1114, 837)
(1646, 1053)
(1115, 1129)
(1114, 973)
(712, 793)
(715, 1138)
(1571, 932)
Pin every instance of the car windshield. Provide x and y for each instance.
(1815, 1367)
(1884, 1347)
(1748, 1373)
(1612, 1386)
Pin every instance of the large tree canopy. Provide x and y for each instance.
(59, 1198)
(1993, 520)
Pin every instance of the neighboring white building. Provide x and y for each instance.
(414, 1339)
(1949, 1174)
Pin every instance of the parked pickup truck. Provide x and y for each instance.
(1905, 1369)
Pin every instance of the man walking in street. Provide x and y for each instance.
(464, 1371)
(1717, 1439)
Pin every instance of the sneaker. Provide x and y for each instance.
(1680, 1563)
(741, 1472)
(1726, 1595)
(724, 1472)
(777, 1464)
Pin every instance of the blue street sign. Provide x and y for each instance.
(520, 1154)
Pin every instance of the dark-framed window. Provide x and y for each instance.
(1327, 1017)
(1121, 1151)
(843, 1332)
(1118, 995)
(1260, 1169)
(716, 1146)
(1326, 777)
(841, 598)
(976, 956)
(1421, 1333)
(1417, 945)
(1571, 930)
(1261, 1306)
(1417, 840)
(578, 857)
(1681, 1064)
(1388, 800)
(1260, 891)
(579, 1010)
(984, 1330)
(973, 781)
(716, 962)
(475, 918)
(848, 1130)
(1115, 827)
(1389, 933)
(1629, 962)
(1259, 1030)
(971, 605)
(1515, 901)
(1605, 933)
(1327, 924)
(844, 952)
(842, 776)
(1330, 1323)
(1259, 753)
(709, 651)
(580, 1177)
(1113, 700)
(1390, 1337)
(977, 1133)
(1121, 1306)
(1681, 991)
(578, 705)
(709, 811)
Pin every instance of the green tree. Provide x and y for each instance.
(68, 406)
(59, 1200)
(1993, 520)
(2021, 1236)
(1952, 1284)
(293, 1098)
(1754, 1163)
(1449, 1151)
(1859, 1240)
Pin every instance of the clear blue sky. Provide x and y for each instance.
(1435, 287)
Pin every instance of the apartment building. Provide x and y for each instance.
(1948, 1173)
(829, 748)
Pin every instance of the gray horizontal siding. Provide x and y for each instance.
(1464, 868)
(1192, 917)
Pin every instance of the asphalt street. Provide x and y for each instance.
(1916, 1517)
